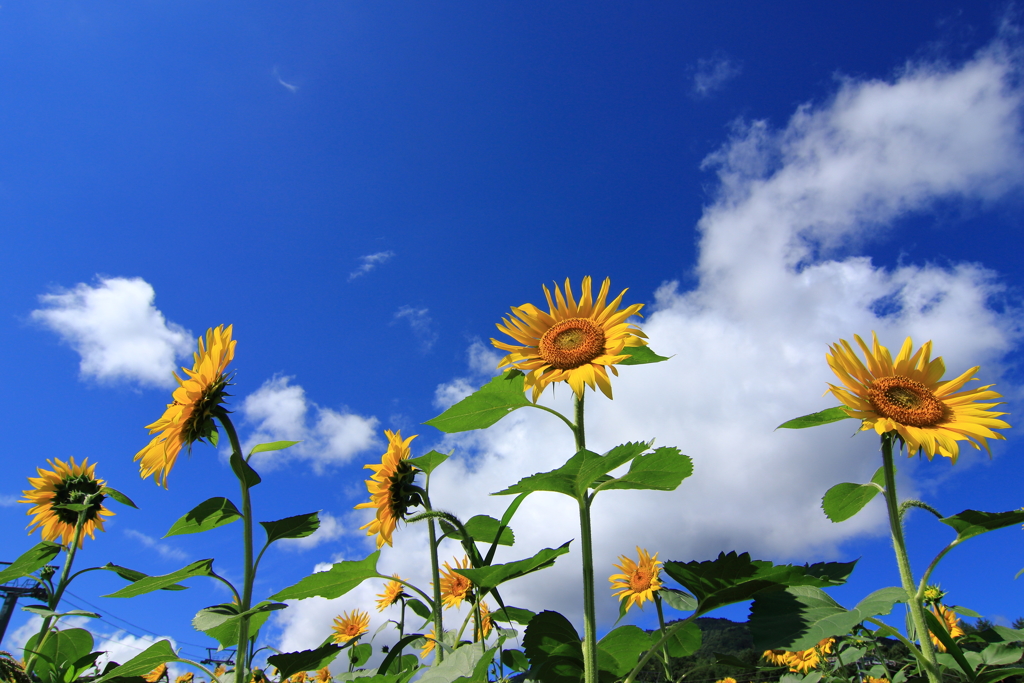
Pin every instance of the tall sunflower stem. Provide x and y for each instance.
(242, 654)
(903, 562)
(435, 573)
(661, 624)
(587, 549)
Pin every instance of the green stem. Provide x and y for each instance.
(587, 549)
(661, 623)
(248, 568)
(657, 646)
(903, 562)
(435, 572)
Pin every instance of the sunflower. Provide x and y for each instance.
(800, 661)
(907, 396)
(324, 675)
(933, 594)
(185, 678)
(220, 671)
(454, 586)
(429, 641)
(66, 484)
(298, 678)
(392, 488)
(159, 673)
(189, 418)
(574, 342)
(393, 591)
(950, 620)
(728, 679)
(872, 679)
(638, 580)
(349, 626)
(485, 619)
(776, 657)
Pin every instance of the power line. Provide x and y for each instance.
(125, 621)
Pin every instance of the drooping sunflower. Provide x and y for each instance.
(66, 484)
(324, 675)
(638, 580)
(429, 641)
(350, 625)
(189, 417)
(950, 620)
(455, 587)
(574, 342)
(907, 396)
(776, 657)
(393, 591)
(392, 488)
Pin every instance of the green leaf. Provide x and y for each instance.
(465, 665)
(119, 497)
(484, 529)
(272, 446)
(843, 501)
(487, 405)
(209, 514)
(971, 523)
(60, 651)
(132, 575)
(938, 629)
(220, 622)
(290, 663)
(359, 654)
(548, 635)
(428, 462)
(152, 583)
(678, 600)
(515, 660)
(245, 473)
(486, 578)
(333, 583)
(141, 664)
(799, 616)
(32, 559)
(815, 419)
(298, 526)
(999, 654)
(998, 675)
(44, 612)
(964, 611)
(683, 641)
(640, 355)
(418, 608)
(581, 471)
(509, 615)
(662, 470)
(620, 650)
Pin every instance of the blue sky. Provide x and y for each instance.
(363, 189)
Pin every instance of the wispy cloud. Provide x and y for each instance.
(166, 551)
(369, 262)
(8, 501)
(291, 87)
(711, 74)
(421, 324)
(117, 331)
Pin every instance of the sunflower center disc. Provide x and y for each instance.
(572, 343)
(640, 581)
(906, 401)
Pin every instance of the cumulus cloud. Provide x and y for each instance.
(330, 529)
(165, 550)
(421, 324)
(482, 361)
(369, 262)
(711, 74)
(117, 330)
(280, 411)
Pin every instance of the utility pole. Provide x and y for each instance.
(19, 588)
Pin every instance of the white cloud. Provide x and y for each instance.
(280, 411)
(117, 331)
(166, 551)
(8, 501)
(711, 74)
(121, 646)
(483, 364)
(369, 262)
(421, 324)
(330, 529)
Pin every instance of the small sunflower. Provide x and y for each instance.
(159, 673)
(454, 586)
(220, 671)
(950, 620)
(728, 679)
(185, 678)
(638, 580)
(349, 626)
(933, 594)
(324, 675)
(66, 484)
(800, 661)
(429, 641)
(574, 342)
(392, 488)
(485, 619)
(393, 591)
(907, 396)
(872, 679)
(189, 418)
(298, 678)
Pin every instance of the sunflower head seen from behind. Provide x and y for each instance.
(392, 488)
(196, 401)
(638, 580)
(66, 484)
(907, 396)
(576, 342)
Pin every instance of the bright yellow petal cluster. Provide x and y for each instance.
(950, 620)
(189, 417)
(907, 396)
(638, 580)
(393, 591)
(66, 483)
(800, 661)
(455, 587)
(429, 641)
(350, 625)
(872, 679)
(185, 678)
(728, 679)
(160, 672)
(386, 487)
(485, 619)
(324, 675)
(574, 342)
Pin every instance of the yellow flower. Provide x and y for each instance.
(67, 483)
(776, 657)
(933, 594)
(391, 487)
(185, 678)
(907, 396)
(726, 680)
(324, 676)
(800, 661)
(393, 591)
(455, 587)
(574, 342)
(638, 580)
(949, 619)
(485, 619)
(428, 644)
(298, 678)
(349, 626)
(156, 674)
(220, 671)
(872, 679)
(189, 418)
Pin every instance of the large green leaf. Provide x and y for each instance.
(843, 501)
(679, 600)
(640, 355)
(550, 635)
(484, 529)
(133, 575)
(141, 664)
(152, 583)
(290, 663)
(487, 405)
(60, 651)
(683, 641)
(32, 559)
(486, 578)
(220, 622)
(662, 470)
(510, 614)
(209, 514)
(815, 419)
(799, 616)
(428, 462)
(333, 583)
(577, 475)
(298, 526)
(465, 665)
(619, 651)
(970, 523)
